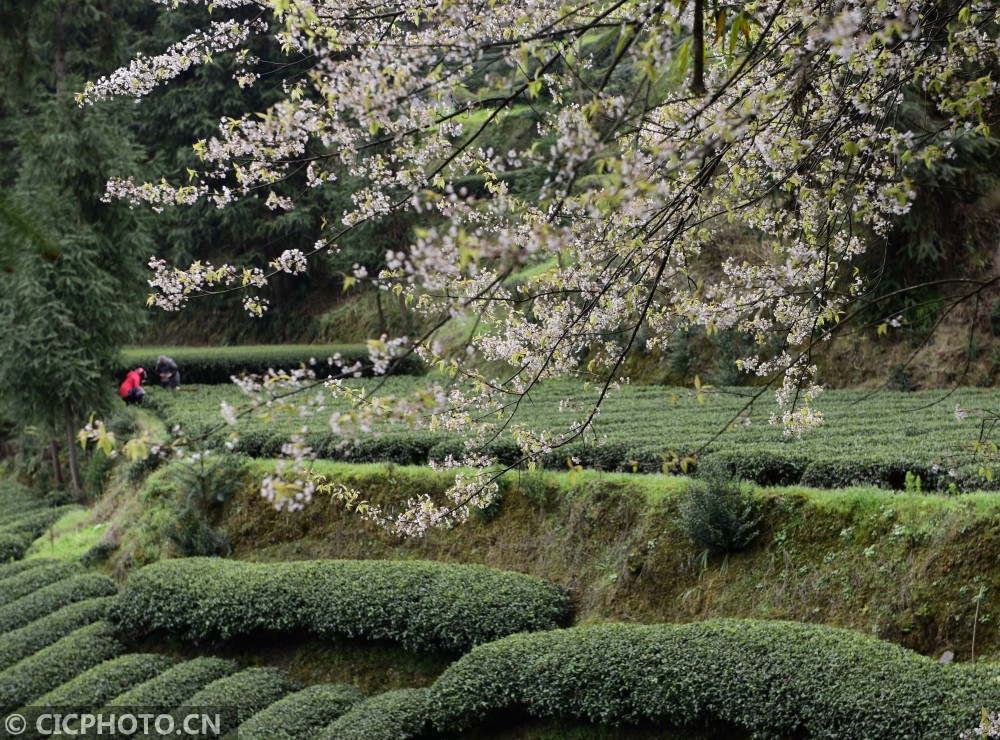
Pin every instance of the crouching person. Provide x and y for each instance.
(168, 372)
(131, 391)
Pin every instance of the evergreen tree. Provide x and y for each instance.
(72, 283)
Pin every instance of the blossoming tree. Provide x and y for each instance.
(660, 126)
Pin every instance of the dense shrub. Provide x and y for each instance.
(34, 523)
(716, 514)
(191, 535)
(13, 546)
(58, 663)
(423, 605)
(402, 448)
(761, 467)
(53, 597)
(243, 694)
(394, 715)
(8, 570)
(16, 508)
(302, 714)
(20, 529)
(10, 488)
(176, 685)
(98, 553)
(24, 583)
(31, 638)
(776, 679)
(213, 365)
(96, 685)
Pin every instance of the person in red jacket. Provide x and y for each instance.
(131, 390)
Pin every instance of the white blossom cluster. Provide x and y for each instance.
(789, 132)
(989, 726)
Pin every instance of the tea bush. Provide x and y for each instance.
(53, 597)
(16, 508)
(855, 447)
(8, 570)
(31, 638)
(58, 663)
(243, 694)
(19, 532)
(394, 715)
(421, 604)
(13, 546)
(108, 679)
(775, 679)
(98, 553)
(211, 365)
(35, 522)
(176, 685)
(27, 581)
(301, 714)
(16, 499)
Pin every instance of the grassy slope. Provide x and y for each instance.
(906, 567)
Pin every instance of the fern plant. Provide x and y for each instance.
(717, 514)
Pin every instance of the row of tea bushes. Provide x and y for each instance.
(16, 499)
(243, 694)
(393, 715)
(15, 567)
(23, 517)
(775, 679)
(56, 664)
(29, 639)
(215, 365)
(53, 597)
(767, 468)
(70, 657)
(652, 428)
(106, 680)
(301, 714)
(176, 685)
(421, 604)
(24, 582)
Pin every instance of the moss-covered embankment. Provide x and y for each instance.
(916, 569)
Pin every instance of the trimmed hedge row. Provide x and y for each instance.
(9, 570)
(421, 604)
(53, 597)
(13, 546)
(28, 640)
(394, 715)
(302, 714)
(215, 365)
(36, 521)
(18, 532)
(176, 685)
(17, 507)
(762, 468)
(402, 448)
(33, 579)
(775, 679)
(96, 685)
(243, 694)
(57, 664)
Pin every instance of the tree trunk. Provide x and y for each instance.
(698, 48)
(56, 466)
(59, 44)
(74, 464)
(404, 312)
(381, 313)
